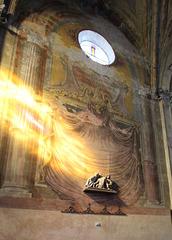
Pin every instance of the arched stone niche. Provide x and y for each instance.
(96, 109)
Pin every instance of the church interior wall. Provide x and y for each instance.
(81, 118)
(44, 224)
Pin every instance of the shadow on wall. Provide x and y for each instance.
(103, 197)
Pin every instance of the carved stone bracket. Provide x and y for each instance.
(166, 96)
(90, 211)
(160, 94)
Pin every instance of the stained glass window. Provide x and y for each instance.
(96, 47)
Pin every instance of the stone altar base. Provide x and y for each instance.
(102, 190)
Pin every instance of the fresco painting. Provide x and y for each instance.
(91, 128)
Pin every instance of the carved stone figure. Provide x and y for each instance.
(92, 180)
(109, 182)
(100, 182)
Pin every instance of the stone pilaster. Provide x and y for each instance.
(20, 167)
(148, 147)
(31, 66)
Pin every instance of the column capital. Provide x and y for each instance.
(157, 95)
(29, 35)
(166, 96)
(32, 36)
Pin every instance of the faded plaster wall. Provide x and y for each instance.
(38, 225)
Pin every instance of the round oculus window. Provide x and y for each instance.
(96, 47)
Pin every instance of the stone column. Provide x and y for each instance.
(166, 119)
(32, 66)
(21, 163)
(148, 148)
(18, 170)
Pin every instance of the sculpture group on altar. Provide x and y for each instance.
(100, 182)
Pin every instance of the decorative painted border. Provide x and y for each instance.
(90, 211)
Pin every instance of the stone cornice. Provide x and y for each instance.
(29, 35)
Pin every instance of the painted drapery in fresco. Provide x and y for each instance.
(86, 142)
